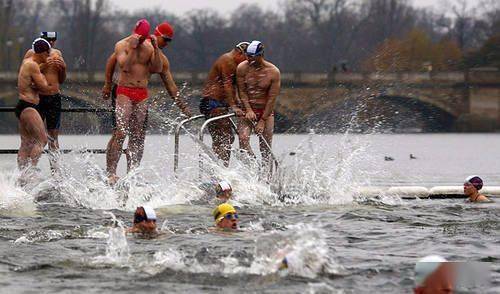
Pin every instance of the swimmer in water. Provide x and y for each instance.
(225, 217)
(224, 191)
(259, 84)
(433, 274)
(136, 59)
(472, 185)
(144, 221)
(30, 83)
(50, 101)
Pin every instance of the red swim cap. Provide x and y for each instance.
(164, 29)
(142, 28)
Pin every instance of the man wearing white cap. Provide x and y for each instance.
(30, 82)
(224, 191)
(259, 84)
(433, 274)
(144, 221)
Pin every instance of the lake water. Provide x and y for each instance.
(56, 233)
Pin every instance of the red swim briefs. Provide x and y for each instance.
(260, 112)
(134, 94)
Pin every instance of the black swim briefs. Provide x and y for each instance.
(22, 105)
(50, 110)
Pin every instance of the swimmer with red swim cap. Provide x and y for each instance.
(472, 185)
(136, 59)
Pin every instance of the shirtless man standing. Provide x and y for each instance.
(259, 85)
(30, 82)
(50, 101)
(218, 95)
(135, 58)
(164, 34)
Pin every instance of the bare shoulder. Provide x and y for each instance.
(243, 67)
(55, 51)
(122, 44)
(273, 68)
(29, 53)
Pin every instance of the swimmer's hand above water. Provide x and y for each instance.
(259, 127)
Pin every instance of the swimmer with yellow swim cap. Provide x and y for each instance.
(225, 217)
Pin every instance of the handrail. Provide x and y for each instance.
(176, 139)
(229, 115)
(95, 110)
(73, 110)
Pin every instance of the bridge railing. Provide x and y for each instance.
(71, 110)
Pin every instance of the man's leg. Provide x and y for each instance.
(115, 145)
(268, 136)
(33, 138)
(222, 137)
(136, 145)
(137, 139)
(53, 121)
(244, 132)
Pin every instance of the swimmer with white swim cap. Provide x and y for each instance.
(144, 221)
(433, 274)
(224, 191)
(472, 185)
(259, 84)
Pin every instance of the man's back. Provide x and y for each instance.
(25, 81)
(223, 68)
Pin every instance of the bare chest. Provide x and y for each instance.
(258, 80)
(137, 56)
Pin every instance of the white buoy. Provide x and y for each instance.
(447, 190)
(409, 191)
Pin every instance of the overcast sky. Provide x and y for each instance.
(179, 7)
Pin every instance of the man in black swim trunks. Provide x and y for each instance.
(219, 94)
(50, 100)
(30, 82)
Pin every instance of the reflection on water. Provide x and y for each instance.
(59, 228)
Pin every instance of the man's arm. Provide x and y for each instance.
(156, 63)
(108, 75)
(29, 53)
(274, 91)
(242, 88)
(62, 67)
(173, 91)
(37, 77)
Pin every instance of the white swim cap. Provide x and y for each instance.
(256, 48)
(224, 186)
(425, 267)
(150, 213)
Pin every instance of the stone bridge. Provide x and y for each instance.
(444, 101)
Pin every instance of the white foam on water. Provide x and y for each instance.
(117, 250)
(13, 199)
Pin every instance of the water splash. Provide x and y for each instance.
(117, 250)
(13, 199)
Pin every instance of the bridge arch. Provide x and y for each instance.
(431, 113)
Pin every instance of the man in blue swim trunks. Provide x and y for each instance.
(219, 94)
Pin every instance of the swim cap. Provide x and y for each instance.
(222, 187)
(475, 181)
(142, 28)
(164, 30)
(40, 45)
(425, 267)
(242, 46)
(255, 49)
(150, 213)
(49, 36)
(221, 211)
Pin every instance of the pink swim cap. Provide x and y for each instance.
(142, 28)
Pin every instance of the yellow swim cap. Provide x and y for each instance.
(221, 210)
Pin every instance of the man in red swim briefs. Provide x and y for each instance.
(136, 60)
